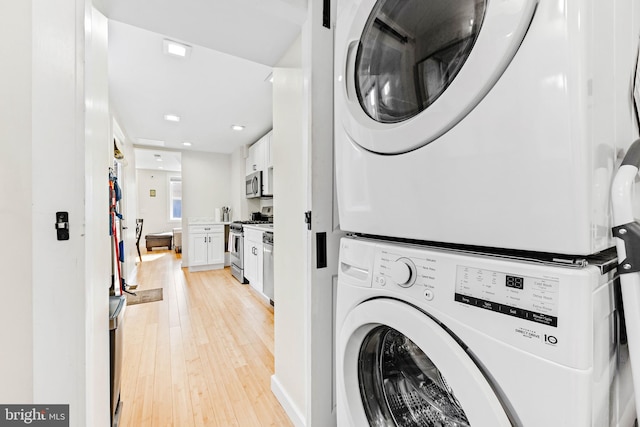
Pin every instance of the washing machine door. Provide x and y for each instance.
(407, 71)
(401, 368)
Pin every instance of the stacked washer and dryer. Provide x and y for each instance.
(476, 142)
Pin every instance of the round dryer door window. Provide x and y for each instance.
(399, 382)
(407, 71)
(409, 53)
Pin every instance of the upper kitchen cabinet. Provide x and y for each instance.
(259, 159)
(256, 159)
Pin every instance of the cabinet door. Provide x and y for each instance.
(268, 156)
(267, 174)
(257, 160)
(259, 267)
(249, 261)
(248, 163)
(252, 162)
(198, 249)
(267, 182)
(216, 248)
(252, 264)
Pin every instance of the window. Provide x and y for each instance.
(175, 199)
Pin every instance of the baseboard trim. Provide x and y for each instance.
(289, 407)
(206, 267)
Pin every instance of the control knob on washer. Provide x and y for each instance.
(403, 272)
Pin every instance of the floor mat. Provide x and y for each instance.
(142, 296)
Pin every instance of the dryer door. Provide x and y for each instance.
(408, 71)
(400, 368)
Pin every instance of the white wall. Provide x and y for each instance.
(55, 324)
(154, 210)
(206, 185)
(237, 184)
(16, 358)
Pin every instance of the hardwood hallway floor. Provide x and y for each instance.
(201, 357)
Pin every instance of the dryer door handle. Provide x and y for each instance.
(349, 71)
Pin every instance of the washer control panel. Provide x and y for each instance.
(402, 270)
(428, 277)
(545, 310)
(529, 298)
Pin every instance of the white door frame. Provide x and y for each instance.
(324, 237)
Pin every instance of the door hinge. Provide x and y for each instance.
(307, 219)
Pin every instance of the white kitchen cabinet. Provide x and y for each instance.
(256, 157)
(267, 174)
(253, 247)
(206, 247)
(259, 158)
(268, 153)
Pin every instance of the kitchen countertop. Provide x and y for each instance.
(259, 227)
(205, 220)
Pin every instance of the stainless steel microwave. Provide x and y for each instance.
(253, 185)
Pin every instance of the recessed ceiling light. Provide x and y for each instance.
(186, 144)
(158, 159)
(160, 167)
(237, 127)
(171, 118)
(174, 48)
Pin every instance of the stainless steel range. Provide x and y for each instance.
(236, 247)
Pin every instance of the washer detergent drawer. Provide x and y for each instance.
(356, 263)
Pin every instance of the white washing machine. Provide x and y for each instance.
(487, 123)
(436, 337)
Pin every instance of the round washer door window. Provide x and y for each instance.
(409, 53)
(399, 383)
(399, 368)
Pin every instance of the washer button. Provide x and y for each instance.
(428, 295)
(381, 280)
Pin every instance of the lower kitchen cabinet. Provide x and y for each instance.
(206, 247)
(253, 258)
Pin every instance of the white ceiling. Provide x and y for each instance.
(223, 81)
(168, 161)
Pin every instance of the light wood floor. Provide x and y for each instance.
(201, 357)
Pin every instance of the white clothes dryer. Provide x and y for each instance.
(436, 337)
(486, 123)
